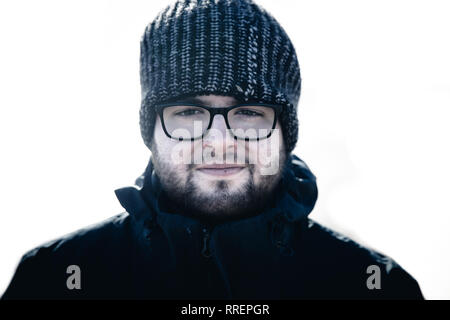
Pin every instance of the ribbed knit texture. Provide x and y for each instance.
(222, 47)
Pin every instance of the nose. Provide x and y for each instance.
(219, 124)
(218, 135)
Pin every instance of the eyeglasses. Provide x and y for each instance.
(189, 121)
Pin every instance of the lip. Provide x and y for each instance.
(220, 166)
(220, 169)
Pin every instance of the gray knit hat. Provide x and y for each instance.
(223, 47)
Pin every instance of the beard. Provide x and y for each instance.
(223, 200)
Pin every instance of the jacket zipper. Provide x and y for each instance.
(207, 254)
(206, 250)
(215, 285)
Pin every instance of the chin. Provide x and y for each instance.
(218, 186)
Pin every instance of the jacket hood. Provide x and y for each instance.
(295, 199)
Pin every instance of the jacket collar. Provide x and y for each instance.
(296, 199)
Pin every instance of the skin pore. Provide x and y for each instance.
(212, 190)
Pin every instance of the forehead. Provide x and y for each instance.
(211, 100)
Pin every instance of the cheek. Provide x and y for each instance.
(169, 151)
(268, 153)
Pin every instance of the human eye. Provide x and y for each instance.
(249, 112)
(188, 112)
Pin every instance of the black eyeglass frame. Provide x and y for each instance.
(213, 111)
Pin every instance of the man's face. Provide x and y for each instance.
(218, 176)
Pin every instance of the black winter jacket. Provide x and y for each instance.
(147, 253)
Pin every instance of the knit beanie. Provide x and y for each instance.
(222, 47)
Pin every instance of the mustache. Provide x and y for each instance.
(226, 159)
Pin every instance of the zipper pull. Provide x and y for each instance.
(206, 251)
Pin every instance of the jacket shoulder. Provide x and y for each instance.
(340, 246)
(82, 241)
(355, 267)
(42, 271)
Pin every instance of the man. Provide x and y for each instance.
(222, 209)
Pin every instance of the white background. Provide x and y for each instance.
(374, 117)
